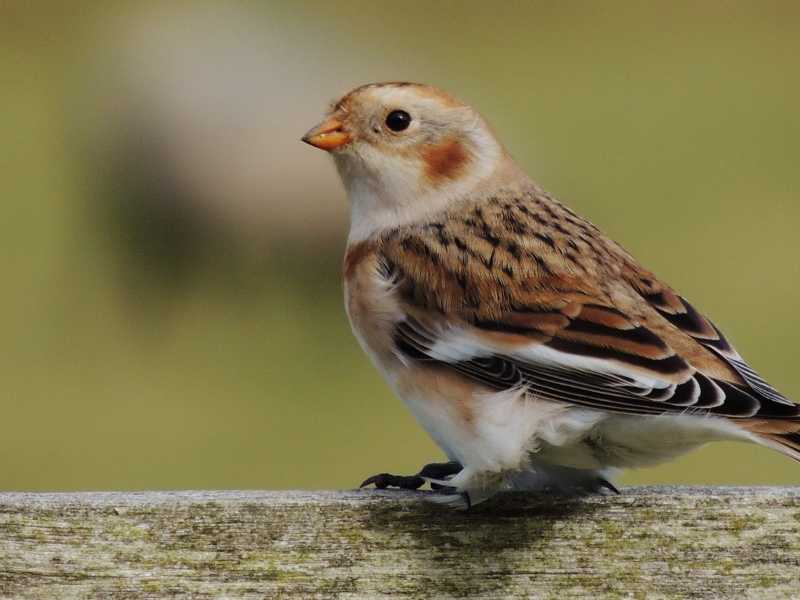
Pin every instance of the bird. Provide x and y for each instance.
(534, 350)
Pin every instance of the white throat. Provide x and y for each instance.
(386, 192)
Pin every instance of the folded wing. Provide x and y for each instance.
(587, 355)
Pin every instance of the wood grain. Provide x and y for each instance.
(660, 542)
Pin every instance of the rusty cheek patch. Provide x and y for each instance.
(444, 161)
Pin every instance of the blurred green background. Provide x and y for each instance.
(170, 299)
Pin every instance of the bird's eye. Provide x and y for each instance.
(398, 120)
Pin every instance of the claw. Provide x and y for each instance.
(376, 479)
(604, 483)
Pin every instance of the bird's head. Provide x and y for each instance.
(404, 151)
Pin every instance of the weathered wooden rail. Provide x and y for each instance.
(657, 542)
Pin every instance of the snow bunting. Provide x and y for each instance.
(534, 350)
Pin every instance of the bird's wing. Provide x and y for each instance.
(688, 320)
(486, 301)
(594, 357)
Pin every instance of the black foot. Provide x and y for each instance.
(440, 471)
(413, 482)
(384, 480)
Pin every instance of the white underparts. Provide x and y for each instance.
(522, 442)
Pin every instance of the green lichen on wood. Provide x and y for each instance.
(647, 543)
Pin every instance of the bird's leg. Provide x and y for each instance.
(440, 471)
(413, 482)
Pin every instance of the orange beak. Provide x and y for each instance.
(327, 135)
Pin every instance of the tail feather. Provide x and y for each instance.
(786, 443)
